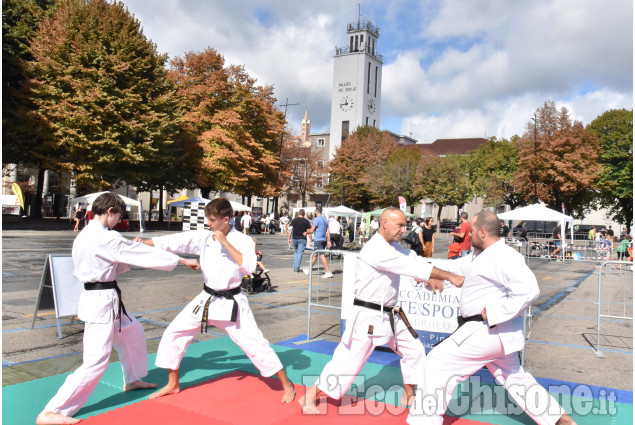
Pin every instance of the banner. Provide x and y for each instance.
(402, 204)
(18, 192)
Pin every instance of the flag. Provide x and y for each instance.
(402, 203)
(18, 192)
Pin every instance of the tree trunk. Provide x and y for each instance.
(160, 204)
(205, 191)
(36, 202)
(439, 218)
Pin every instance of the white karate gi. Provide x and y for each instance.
(220, 272)
(378, 271)
(496, 278)
(99, 255)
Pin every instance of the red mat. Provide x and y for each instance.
(243, 398)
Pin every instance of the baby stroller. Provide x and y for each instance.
(258, 279)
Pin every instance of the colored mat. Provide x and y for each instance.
(211, 372)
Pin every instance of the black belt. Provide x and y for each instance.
(102, 286)
(393, 312)
(462, 321)
(228, 294)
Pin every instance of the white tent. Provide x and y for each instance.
(90, 198)
(346, 212)
(540, 212)
(236, 206)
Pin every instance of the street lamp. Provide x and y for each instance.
(535, 120)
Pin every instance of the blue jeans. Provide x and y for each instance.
(298, 250)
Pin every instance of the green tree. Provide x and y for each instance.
(396, 177)
(566, 164)
(234, 122)
(361, 152)
(444, 181)
(614, 128)
(492, 168)
(102, 92)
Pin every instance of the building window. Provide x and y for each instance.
(321, 143)
(366, 121)
(345, 125)
(350, 47)
(374, 125)
(376, 72)
(368, 80)
(356, 42)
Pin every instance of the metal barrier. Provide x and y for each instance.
(331, 290)
(618, 286)
(578, 250)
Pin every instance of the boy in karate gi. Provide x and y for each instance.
(375, 320)
(226, 255)
(99, 255)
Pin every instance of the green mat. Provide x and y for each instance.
(210, 359)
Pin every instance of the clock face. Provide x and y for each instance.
(346, 103)
(371, 106)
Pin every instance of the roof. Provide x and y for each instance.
(448, 146)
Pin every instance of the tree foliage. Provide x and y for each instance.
(396, 177)
(234, 122)
(492, 168)
(445, 181)
(350, 169)
(102, 93)
(566, 164)
(614, 128)
(304, 168)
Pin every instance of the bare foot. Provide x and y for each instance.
(565, 420)
(289, 394)
(307, 401)
(51, 418)
(407, 400)
(167, 390)
(139, 385)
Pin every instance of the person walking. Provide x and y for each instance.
(321, 241)
(498, 288)
(297, 236)
(245, 221)
(79, 216)
(335, 229)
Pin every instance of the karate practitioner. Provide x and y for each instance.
(226, 255)
(99, 255)
(498, 288)
(379, 266)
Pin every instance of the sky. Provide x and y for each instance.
(451, 68)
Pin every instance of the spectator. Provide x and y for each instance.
(79, 216)
(334, 230)
(504, 230)
(351, 229)
(245, 221)
(592, 233)
(297, 235)
(362, 231)
(557, 240)
(321, 240)
(428, 232)
(374, 226)
(284, 220)
(464, 235)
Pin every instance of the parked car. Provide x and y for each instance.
(535, 228)
(449, 225)
(581, 231)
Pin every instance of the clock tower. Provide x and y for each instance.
(356, 93)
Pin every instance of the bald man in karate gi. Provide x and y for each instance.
(380, 265)
(99, 256)
(226, 256)
(498, 288)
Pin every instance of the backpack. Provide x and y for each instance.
(413, 239)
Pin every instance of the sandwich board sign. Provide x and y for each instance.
(59, 289)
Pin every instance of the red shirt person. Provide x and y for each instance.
(464, 235)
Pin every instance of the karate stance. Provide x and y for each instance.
(226, 255)
(374, 320)
(99, 255)
(498, 288)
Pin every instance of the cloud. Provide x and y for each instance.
(457, 68)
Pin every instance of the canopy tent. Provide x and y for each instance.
(344, 212)
(180, 203)
(540, 212)
(90, 198)
(377, 213)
